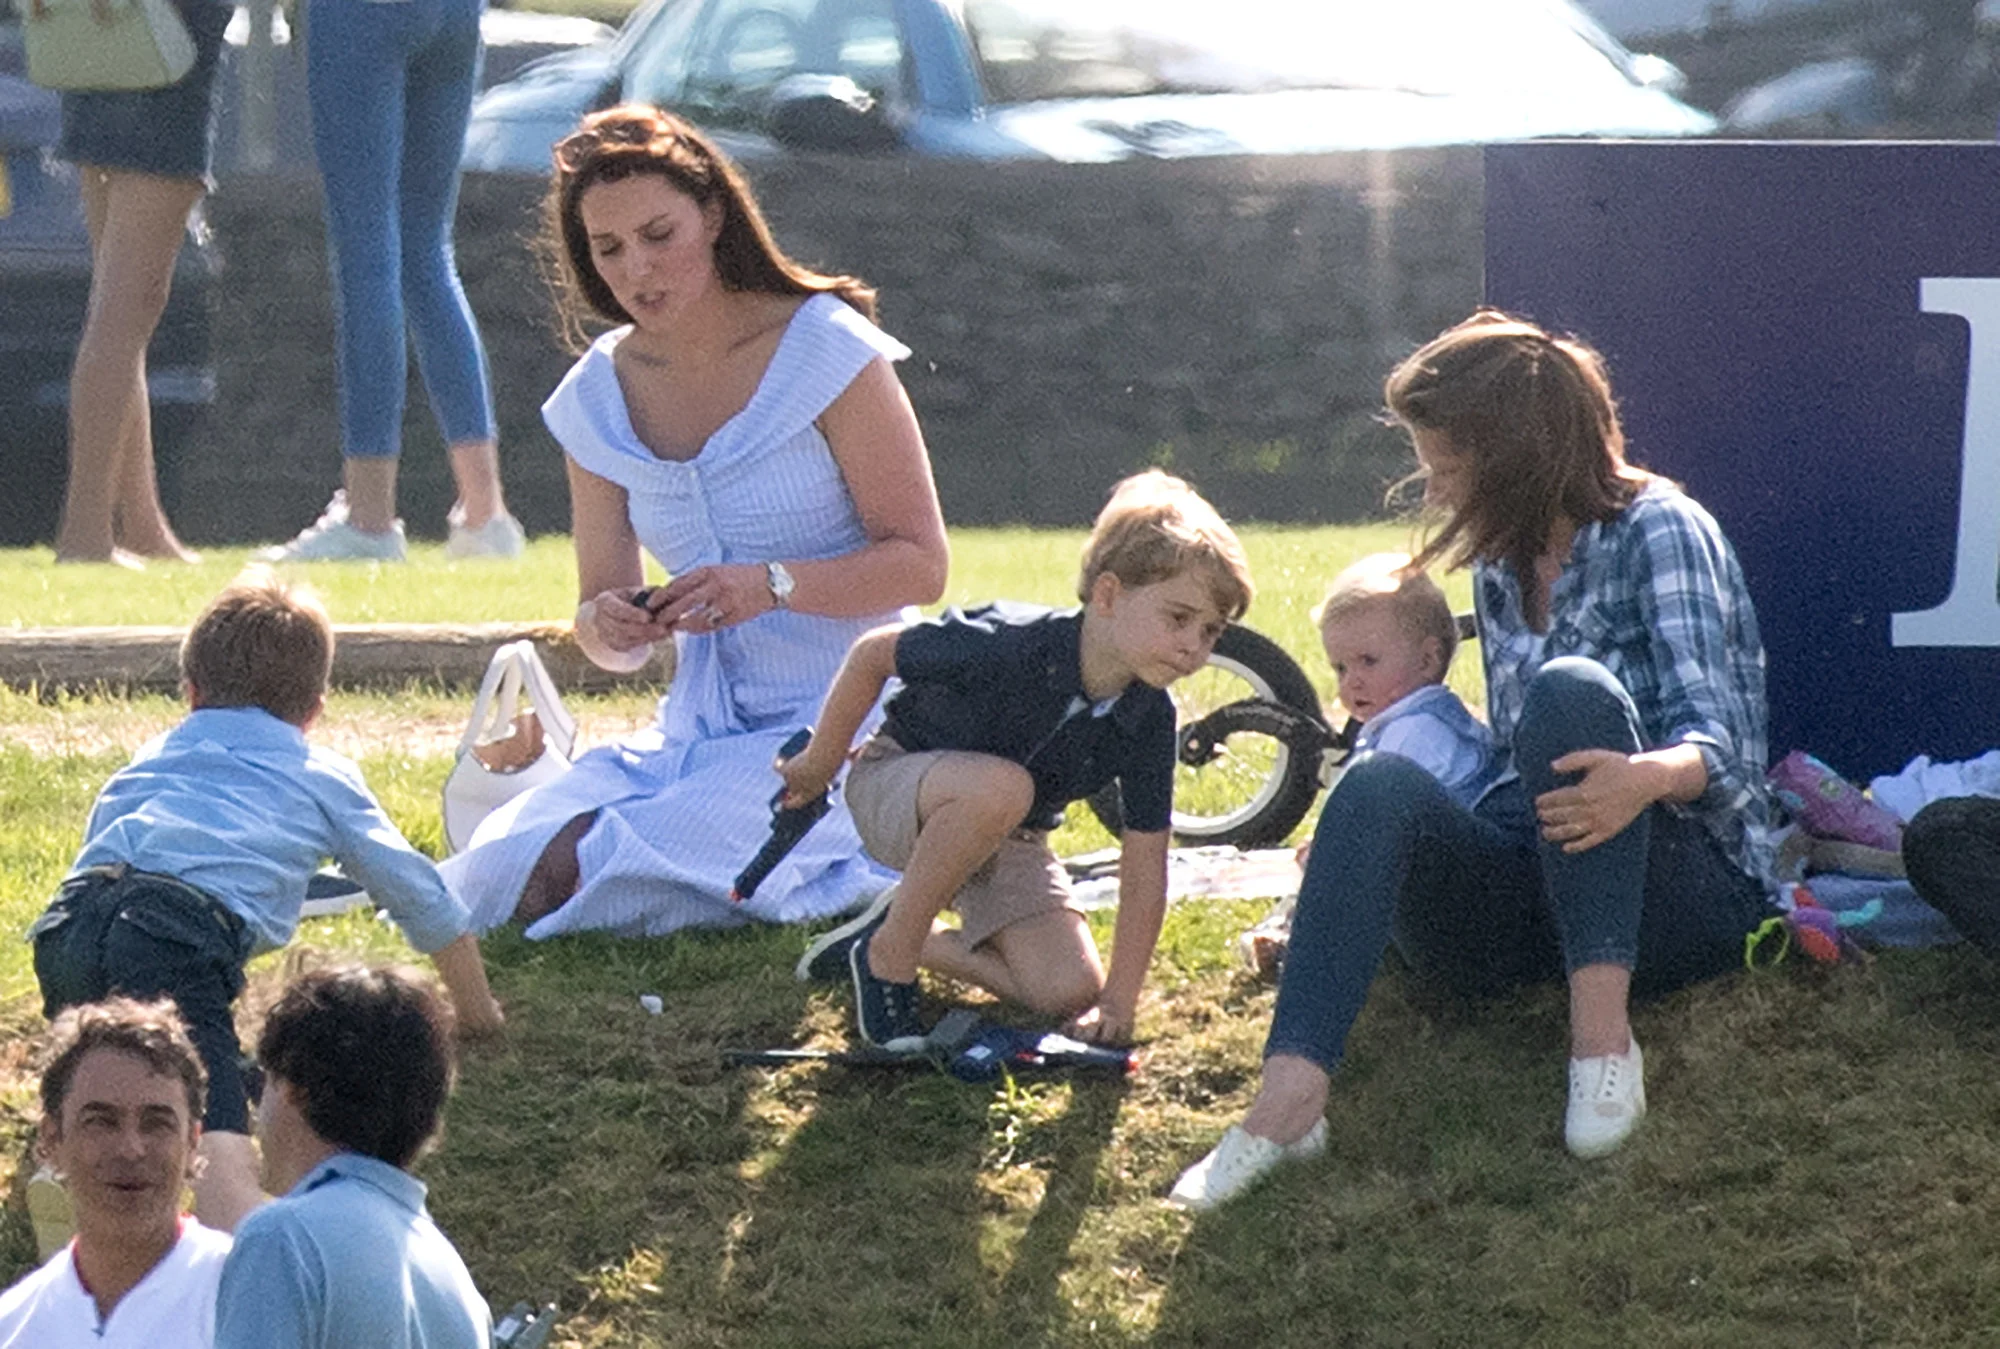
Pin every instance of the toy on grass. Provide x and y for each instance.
(1820, 932)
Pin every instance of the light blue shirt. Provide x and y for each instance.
(1436, 731)
(235, 802)
(348, 1260)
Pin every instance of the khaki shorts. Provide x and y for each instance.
(1022, 879)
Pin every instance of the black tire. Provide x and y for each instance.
(1249, 770)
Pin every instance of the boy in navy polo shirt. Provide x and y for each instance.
(197, 853)
(1007, 713)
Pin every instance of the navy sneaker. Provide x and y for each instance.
(885, 1012)
(825, 961)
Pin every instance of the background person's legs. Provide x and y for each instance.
(355, 82)
(136, 223)
(438, 101)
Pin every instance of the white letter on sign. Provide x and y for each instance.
(1970, 614)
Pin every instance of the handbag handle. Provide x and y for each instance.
(499, 691)
(558, 723)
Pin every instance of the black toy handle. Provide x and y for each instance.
(789, 824)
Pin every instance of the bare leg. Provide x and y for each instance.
(1048, 963)
(1598, 1023)
(967, 804)
(136, 222)
(227, 1188)
(556, 873)
(1290, 1099)
(475, 467)
(371, 493)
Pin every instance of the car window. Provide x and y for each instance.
(656, 53)
(1042, 49)
(746, 47)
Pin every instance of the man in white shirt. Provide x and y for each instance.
(122, 1100)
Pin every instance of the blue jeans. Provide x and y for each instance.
(1477, 903)
(391, 88)
(112, 931)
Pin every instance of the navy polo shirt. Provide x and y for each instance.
(1007, 679)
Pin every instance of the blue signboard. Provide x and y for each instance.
(1808, 337)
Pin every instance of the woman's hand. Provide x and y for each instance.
(621, 625)
(1613, 790)
(709, 599)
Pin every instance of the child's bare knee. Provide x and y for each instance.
(1064, 993)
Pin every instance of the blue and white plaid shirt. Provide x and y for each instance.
(1656, 596)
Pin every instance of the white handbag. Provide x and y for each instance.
(135, 44)
(507, 748)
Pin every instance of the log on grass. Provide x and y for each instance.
(366, 655)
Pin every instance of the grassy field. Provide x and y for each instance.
(1821, 1167)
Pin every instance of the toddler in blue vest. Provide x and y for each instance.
(1389, 634)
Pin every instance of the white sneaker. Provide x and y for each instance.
(1607, 1099)
(332, 539)
(1239, 1161)
(501, 536)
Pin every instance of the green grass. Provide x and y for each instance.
(1820, 1168)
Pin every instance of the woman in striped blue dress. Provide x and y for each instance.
(746, 427)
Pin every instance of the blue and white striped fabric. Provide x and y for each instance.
(1658, 598)
(684, 805)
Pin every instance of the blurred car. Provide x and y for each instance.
(1095, 80)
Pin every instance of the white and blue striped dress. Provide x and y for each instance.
(683, 805)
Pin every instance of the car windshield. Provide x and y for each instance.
(1043, 49)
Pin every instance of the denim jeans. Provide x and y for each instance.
(1477, 903)
(117, 931)
(390, 87)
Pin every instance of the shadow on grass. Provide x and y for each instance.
(602, 1157)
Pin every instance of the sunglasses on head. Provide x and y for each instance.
(574, 149)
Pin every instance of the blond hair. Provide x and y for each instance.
(263, 643)
(1156, 527)
(1393, 583)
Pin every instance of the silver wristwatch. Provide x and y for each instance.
(780, 580)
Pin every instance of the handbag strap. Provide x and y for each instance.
(558, 723)
(499, 692)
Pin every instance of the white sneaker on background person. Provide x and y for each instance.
(331, 538)
(500, 537)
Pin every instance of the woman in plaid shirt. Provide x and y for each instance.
(1628, 847)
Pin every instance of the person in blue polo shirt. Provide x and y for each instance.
(357, 1064)
(1007, 713)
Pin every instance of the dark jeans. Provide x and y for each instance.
(1951, 849)
(117, 931)
(1478, 904)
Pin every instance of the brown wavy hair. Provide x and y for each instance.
(1532, 413)
(635, 138)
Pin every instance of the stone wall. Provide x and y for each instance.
(1230, 318)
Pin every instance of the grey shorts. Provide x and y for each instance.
(1022, 879)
